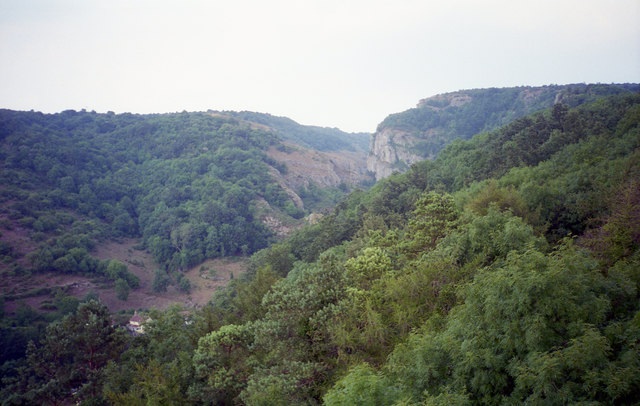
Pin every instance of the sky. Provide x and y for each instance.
(332, 63)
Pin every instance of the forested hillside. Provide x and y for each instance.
(184, 182)
(318, 138)
(422, 132)
(505, 271)
(186, 187)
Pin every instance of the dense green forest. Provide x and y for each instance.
(189, 184)
(506, 271)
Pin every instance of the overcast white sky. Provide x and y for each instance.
(334, 63)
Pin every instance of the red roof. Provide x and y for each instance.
(136, 319)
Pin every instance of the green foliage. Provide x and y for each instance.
(157, 368)
(433, 218)
(184, 284)
(531, 331)
(222, 366)
(362, 386)
(619, 235)
(122, 289)
(527, 310)
(72, 252)
(116, 270)
(316, 198)
(186, 183)
(503, 198)
(528, 141)
(69, 362)
(154, 384)
(405, 294)
(160, 281)
(247, 303)
(440, 120)
(320, 138)
(308, 243)
(461, 290)
(367, 267)
(16, 331)
(66, 304)
(488, 239)
(279, 258)
(292, 335)
(560, 182)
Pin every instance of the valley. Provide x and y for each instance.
(96, 217)
(486, 251)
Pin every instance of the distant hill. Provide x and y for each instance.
(421, 132)
(319, 138)
(187, 186)
(317, 157)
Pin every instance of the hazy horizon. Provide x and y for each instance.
(332, 63)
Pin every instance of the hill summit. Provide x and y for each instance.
(421, 132)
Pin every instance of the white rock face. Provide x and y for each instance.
(322, 168)
(390, 151)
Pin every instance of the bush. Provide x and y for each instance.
(122, 289)
(184, 285)
(160, 281)
(117, 270)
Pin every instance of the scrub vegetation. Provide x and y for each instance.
(505, 271)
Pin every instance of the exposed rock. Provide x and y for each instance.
(445, 100)
(394, 150)
(282, 230)
(322, 168)
(390, 152)
(277, 227)
(313, 218)
(405, 138)
(283, 184)
(344, 162)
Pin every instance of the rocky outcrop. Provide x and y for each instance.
(279, 229)
(391, 151)
(420, 133)
(322, 168)
(297, 201)
(445, 100)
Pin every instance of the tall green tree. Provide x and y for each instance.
(68, 364)
(122, 289)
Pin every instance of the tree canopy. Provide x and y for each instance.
(506, 271)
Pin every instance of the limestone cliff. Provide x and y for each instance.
(390, 151)
(420, 133)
